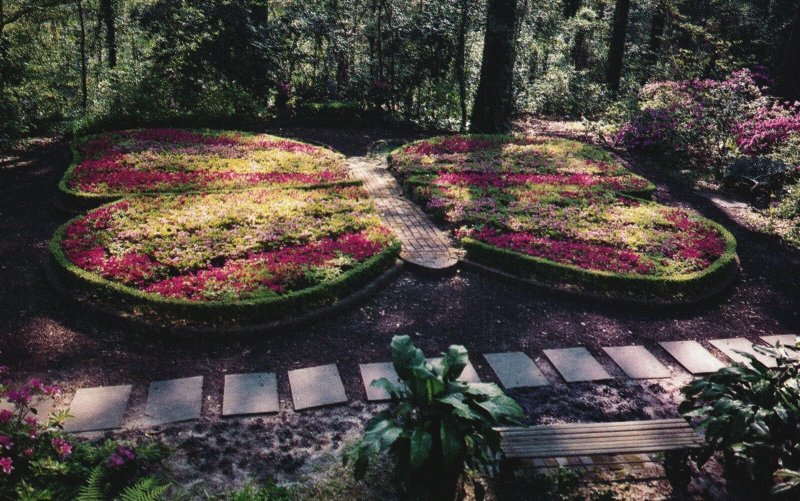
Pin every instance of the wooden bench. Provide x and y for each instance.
(674, 437)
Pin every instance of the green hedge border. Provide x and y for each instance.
(81, 200)
(678, 288)
(268, 308)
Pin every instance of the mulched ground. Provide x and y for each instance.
(42, 336)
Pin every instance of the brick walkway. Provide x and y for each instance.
(423, 243)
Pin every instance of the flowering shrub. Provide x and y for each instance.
(171, 160)
(227, 246)
(695, 119)
(37, 461)
(556, 200)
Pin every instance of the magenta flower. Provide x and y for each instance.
(6, 465)
(61, 446)
(5, 416)
(6, 442)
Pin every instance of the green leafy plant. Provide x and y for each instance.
(750, 413)
(437, 424)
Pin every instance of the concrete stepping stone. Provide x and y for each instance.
(468, 375)
(731, 346)
(576, 364)
(516, 370)
(692, 356)
(174, 400)
(101, 408)
(43, 407)
(378, 370)
(316, 386)
(255, 393)
(374, 371)
(637, 362)
(784, 339)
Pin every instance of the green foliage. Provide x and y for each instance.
(252, 492)
(751, 413)
(437, 423)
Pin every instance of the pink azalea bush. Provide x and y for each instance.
(173, 160)
(38, 461)
(228, 246)
(562, 202)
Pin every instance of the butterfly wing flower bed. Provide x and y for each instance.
(229, 253)
(112, 165)
(565, 213)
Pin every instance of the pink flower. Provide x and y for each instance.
(7, 465)
(61, 446)
(121, 457)
(28, 452)
(5, 416)
(6, 442)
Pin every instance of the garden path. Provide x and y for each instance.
(103, 408)
(423, 243)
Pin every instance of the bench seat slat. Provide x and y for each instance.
(628, 425)
(588, 444)
(600, 436)
(598, 450)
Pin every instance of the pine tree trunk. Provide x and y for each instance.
(82, 51)
(461, 73)
(107, 10)
(493, 99)
(616, 46)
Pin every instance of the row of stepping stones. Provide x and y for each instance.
(103, 408)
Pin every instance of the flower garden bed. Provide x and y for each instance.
(264, 251)
(565, 213)
(112, 165)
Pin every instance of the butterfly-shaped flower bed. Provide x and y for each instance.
(117, 164)
(565, 213)
(226, 227)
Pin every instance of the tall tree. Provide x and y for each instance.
(461, 58)
(82, 50)
(616, 46)
(790, 69)
(107, 11)
(493, 99)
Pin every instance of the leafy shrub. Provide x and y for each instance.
(750, 413)
(694, 119)
(788, 209)
(759, 177)
(38, 461)
(437, 423)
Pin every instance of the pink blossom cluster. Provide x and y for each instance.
(582, 254)
(501, 180)
(695, 241)
(770, 127)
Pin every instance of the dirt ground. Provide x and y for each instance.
(44, 337)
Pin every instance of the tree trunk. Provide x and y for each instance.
(616, 46)
(493, 99)
(107, 9)
(82, 51)
(461, 73)
(790, 69)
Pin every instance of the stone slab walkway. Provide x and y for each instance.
(731, 346)
(516, 370)
(100, 408)
(250, 394)
(316, 387)
(174, 400)
(692, 356)
(423, 244)
(576, 364)
(637, 362)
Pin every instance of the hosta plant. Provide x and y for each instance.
(751, 414)
(437, 424)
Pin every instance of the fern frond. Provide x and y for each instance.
(146, 489)
(92, 490)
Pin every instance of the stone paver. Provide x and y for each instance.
(576, 364)
(100, 408)
(174, 400)
(316, 386)
(468, 375)
(784, 339)
(422, 242)
(255, 393)
(692, 356)
(730, 347)
(515, 369)
(637, 362)
(374, 371)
